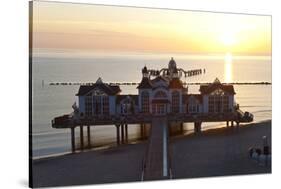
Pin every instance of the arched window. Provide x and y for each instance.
(145, 102)
(175, 102)
(219, 101)
(160, 94)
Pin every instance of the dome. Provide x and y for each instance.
(172, 64)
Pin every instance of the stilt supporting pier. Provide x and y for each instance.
(89, 136)
(73, 139)
(181, 127)
(197, 127)
(122, 133)
(231, 123)
(227, 123)
(237, 123)
(126, 132)
(118, 134)
(81, 137)
(142, 130)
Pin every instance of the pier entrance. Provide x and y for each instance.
(156, 162)
(160, 106)
(159, 109)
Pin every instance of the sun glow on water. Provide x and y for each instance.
(228, 68)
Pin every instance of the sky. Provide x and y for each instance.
(66, 27)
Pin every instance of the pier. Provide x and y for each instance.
(162, 100)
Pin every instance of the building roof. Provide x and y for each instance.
(159, 78)
(207, 89)
(108, 89)
(175, 83)
(145, 83)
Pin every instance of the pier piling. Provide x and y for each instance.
(117, 134)
(122, 133)
(81, 137)
(126, 132)
(73, 139)
(181, 127)
(89, 136)
(197, 127)
(142, 131)
(227, 124)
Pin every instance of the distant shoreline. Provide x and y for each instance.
(134, 83)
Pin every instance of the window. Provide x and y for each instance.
(88, 106)
(175, 102)
(218, 103)
(97, 105)
(226, 104)
(211, 104)
(145, 102)
(105, 105)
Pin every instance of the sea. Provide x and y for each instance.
(49, 101)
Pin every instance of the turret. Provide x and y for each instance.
(145, 72)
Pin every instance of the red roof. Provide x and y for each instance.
(207, 89)
(176, 83)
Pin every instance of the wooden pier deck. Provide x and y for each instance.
(156, 162)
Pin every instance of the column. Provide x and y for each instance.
(181, 127)
(122, 133)
(227, 123)
(197, 127)
(118, 134)
(81, 137)
(141, 129)
(89, 136)
(126, 132)
(73, 139)
(237, 123)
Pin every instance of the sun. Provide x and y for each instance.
(228, 38)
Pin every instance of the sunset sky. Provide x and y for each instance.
(92, 28)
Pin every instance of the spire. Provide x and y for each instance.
(217, 81)
(145, 72)
(99, 80)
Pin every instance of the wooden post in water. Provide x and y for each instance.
(231, 123)
(227, 123)
(73, 139)
(126, 132)
(141, 129)
(181, 127)
(197, 127)
(89, 136)
(118, 134)
(81, 137)
(237, 124)
(122, 133)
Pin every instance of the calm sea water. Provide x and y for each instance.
(51, 101)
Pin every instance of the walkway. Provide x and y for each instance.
(156, 160)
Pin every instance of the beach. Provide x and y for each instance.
(215, 152)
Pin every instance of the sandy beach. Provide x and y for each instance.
(219, 152)
(216, 152)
